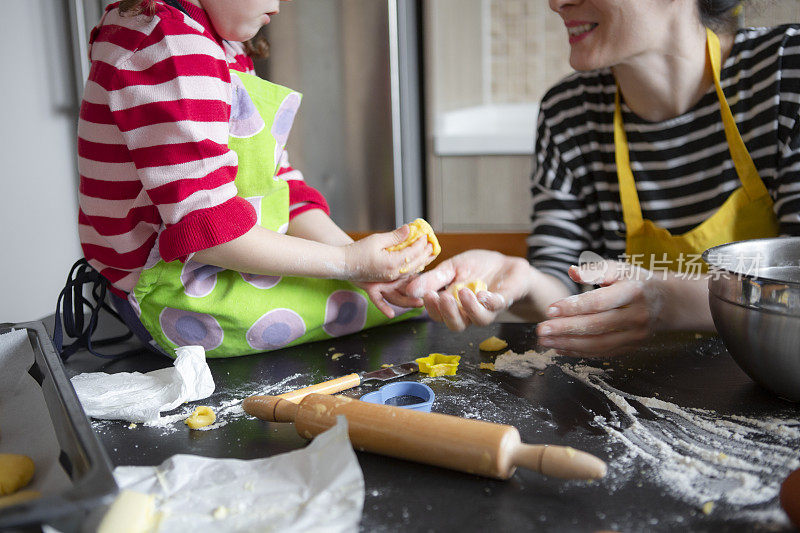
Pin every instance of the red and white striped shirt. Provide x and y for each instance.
(154, 163)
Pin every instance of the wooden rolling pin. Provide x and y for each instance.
(472, 446)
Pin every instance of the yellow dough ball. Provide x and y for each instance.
(419, 228)
(493, 344)
(203, 416)
(16, 471)
(475, 286)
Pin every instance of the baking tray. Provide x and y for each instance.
(87, 481)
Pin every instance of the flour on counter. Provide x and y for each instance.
(698, 455)
(521, 365)
(226, 404)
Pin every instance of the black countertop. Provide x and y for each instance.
(660, 470)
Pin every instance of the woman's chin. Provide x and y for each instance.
(582, 63)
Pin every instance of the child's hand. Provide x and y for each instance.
(368, 260)
(384, 295)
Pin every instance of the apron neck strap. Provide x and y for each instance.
(745, 168)
(631, 209)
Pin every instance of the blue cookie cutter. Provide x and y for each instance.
(406, 394)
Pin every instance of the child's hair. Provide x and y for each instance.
(256, 48)
(137, 7)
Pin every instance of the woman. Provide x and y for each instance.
(669, 139)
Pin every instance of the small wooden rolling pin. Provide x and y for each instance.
(472, 446)
(326, 387)
(351, 380)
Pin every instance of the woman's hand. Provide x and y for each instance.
(509, 281)
(630, 305)
(367, 260)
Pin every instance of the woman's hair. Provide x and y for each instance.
(256, 48)
(720, 14)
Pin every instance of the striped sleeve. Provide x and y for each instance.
(559, 213)
(170, 100)
(787, 201)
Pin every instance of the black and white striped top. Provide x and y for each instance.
(682, 166)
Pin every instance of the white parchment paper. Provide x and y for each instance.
(25, 424)
(138, 397)
(319, 488)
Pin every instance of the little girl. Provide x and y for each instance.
(188, 204)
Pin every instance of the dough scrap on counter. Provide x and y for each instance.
(203, 416)
(131, 512)
(16, 471)
(419, 228)
(493, 344)
(19, 497)
(438, 364)
(336, 356)
(475, 285)
(487, 366)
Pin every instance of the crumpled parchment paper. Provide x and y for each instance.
(138, 397)
(319, 488)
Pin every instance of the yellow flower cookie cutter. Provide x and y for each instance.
(439, 364)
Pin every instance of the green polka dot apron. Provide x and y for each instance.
(231, 313)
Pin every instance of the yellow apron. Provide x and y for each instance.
(746, 214)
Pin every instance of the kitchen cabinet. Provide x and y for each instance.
(480, 193)
(484, 77)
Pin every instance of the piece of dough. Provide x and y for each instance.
(16, 471)
(19, 497)
(475, 285)
(131, 512)
(493, 344)
(419, 228)
(203, 416)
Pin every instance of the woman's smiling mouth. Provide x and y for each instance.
(579, 30)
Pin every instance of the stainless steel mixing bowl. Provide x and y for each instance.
(754, 292)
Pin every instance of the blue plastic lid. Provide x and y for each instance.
(406, 394)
